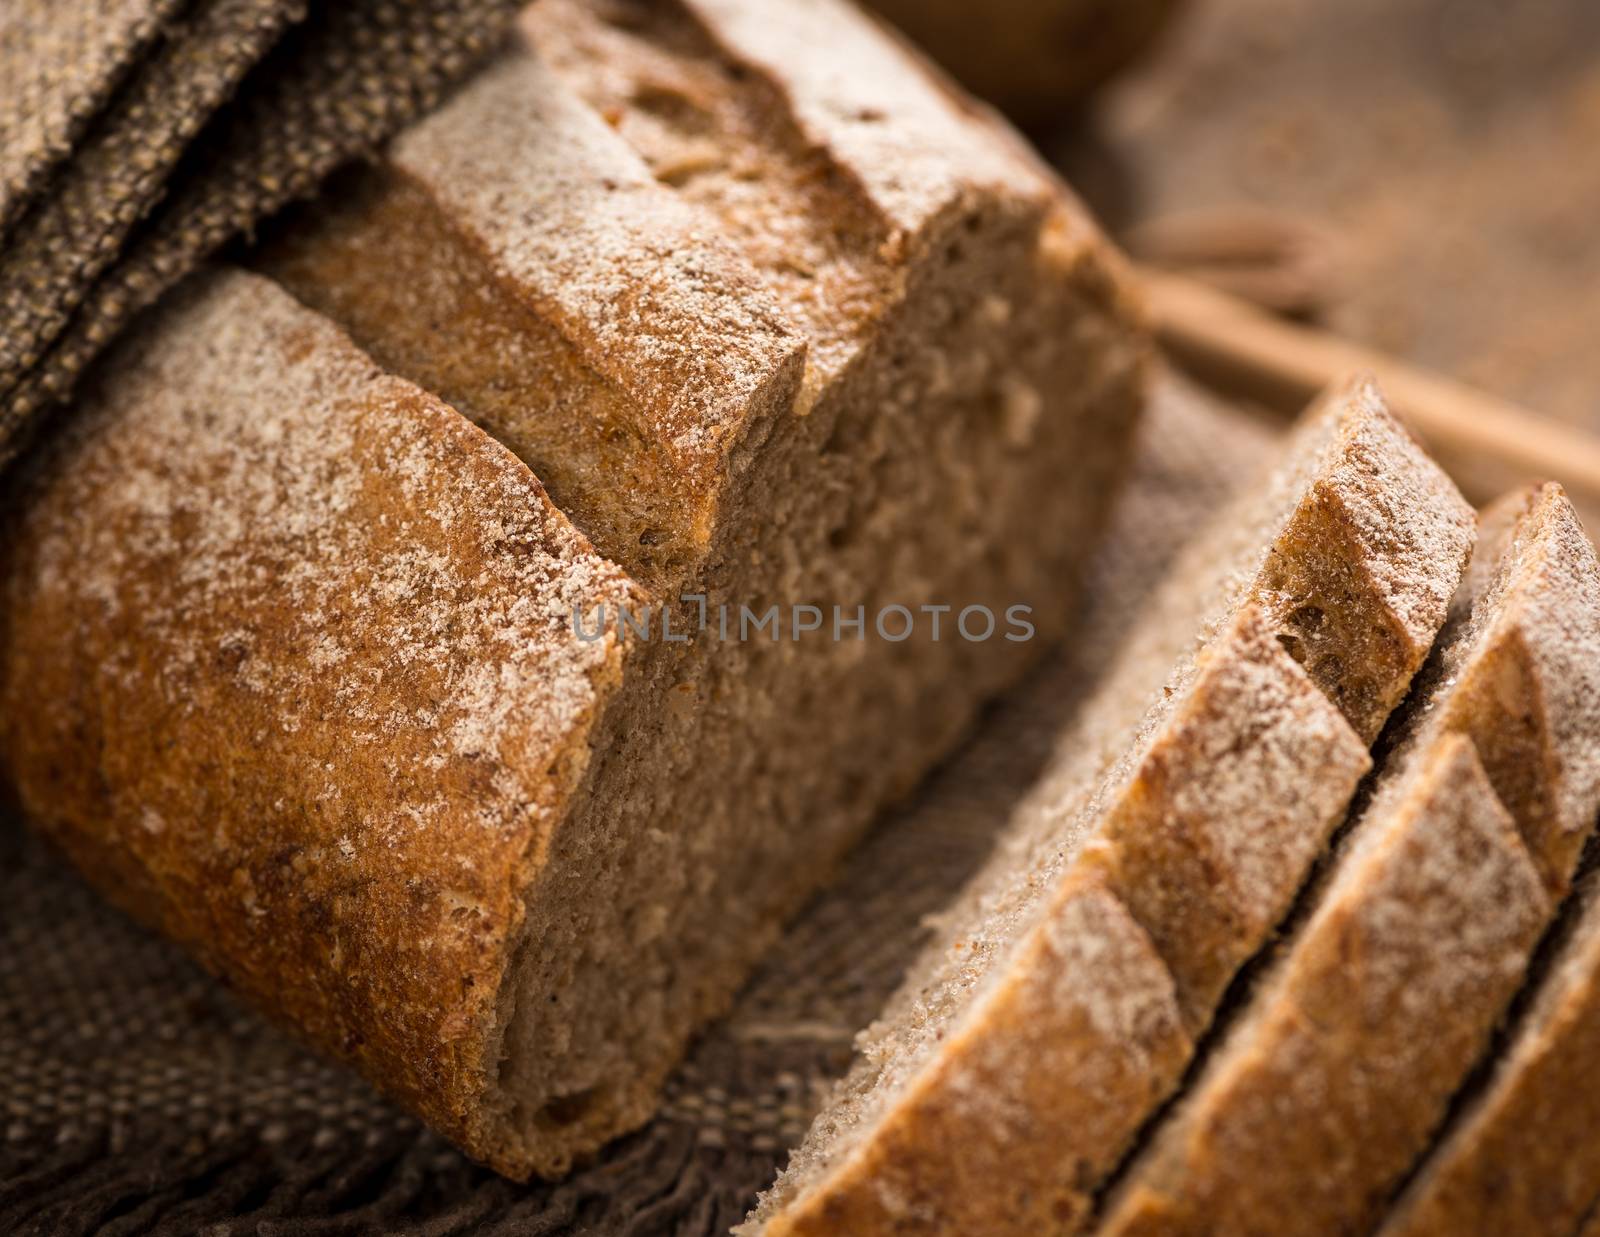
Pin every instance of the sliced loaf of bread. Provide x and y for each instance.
(1325, 1088)
(1060, 1005)
(809, 349)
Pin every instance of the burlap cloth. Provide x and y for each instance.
(137, 136)
(140, 1098)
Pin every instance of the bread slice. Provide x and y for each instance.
(1060, 1004)
(1520, 1159)
(879, 364)
(1326, 1088)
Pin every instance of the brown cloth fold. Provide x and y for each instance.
(138, 136)
(139, 1098)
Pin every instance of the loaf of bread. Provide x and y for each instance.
(307, 669)
(1061, 1003)
(1339, 1065)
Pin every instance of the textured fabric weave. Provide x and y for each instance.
(138, 137)
(139, 1098)
(59, 64)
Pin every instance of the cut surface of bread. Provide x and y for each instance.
(867, 357)
(1343, 1060)
(1059, 1006)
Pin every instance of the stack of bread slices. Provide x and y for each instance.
(477, 627)
(1229, 973)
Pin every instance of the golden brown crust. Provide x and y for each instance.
(1531, 707)
(1211, 837)
(1073, 1057)
(1530, 694)
(551, 289)
(650, 231)
(295, 584)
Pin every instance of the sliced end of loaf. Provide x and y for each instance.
(651, 234)
(771, 333)
(781, 322)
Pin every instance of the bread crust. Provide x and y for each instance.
(1070, 1058)
(1331, 1084)
(1486, 1172)
(650, 232)
(1085, 1032)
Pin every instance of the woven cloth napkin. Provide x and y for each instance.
(140, 1098)
(138, 136)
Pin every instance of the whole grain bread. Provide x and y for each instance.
(1326, 1087)
(860, 353)
(1060, 1005)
